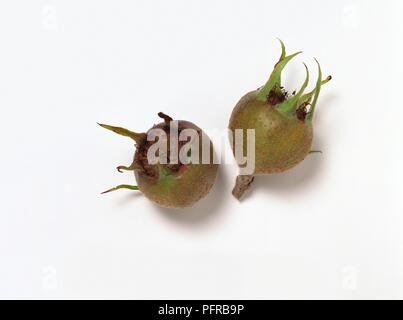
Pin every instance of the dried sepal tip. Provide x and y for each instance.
(139, 138)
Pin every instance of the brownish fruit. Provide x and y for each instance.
(171, 184)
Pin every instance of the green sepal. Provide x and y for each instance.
(306, 98)
(290, 105)
(283, 54)
(316, 96)
(121, 186)
(133, 167)
(275, 77)
(139, 138)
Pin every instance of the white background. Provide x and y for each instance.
(330, 228)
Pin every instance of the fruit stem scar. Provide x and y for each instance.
(241, 185)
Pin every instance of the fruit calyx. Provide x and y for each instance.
(297, 104)
(140, 162)
(276, 96)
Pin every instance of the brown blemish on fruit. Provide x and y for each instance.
(301, 111)
(276, 96)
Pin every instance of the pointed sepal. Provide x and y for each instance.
(121, 186)
(275, 77)
(289, 106)
(306, 98)
(309, 116)
(139, 138)
(283, 53)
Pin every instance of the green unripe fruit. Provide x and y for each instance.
(281, 141)
(282, 124)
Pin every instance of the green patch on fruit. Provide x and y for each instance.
(166, 179)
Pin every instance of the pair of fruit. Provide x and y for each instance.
(282, 126)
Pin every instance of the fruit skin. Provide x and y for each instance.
(181, 191)
(167, 185)
(281, 141)
(282, 124)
